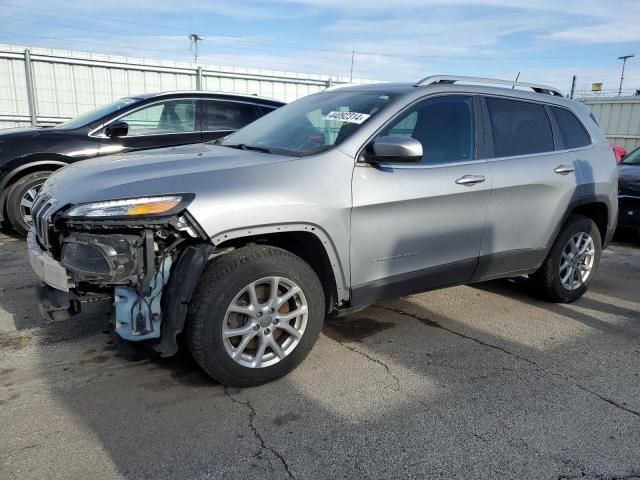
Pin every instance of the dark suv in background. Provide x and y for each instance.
(29, 155)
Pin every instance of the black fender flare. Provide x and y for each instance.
(185, 273)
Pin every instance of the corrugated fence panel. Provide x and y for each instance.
(13, 87)
(618, 117)
(67, 83)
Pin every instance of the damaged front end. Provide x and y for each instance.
(142, 267)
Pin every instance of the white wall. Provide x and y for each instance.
(618, 117)
(68, 83)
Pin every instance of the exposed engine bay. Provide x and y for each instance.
(144, 272)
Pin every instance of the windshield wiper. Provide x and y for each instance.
(242, 146)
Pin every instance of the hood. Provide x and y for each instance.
(22, 132)
(629, 180)
(189, 169)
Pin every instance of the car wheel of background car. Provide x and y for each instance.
(568, 269)
(20, 199)
(255, 315)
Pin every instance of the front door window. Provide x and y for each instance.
(170, 117)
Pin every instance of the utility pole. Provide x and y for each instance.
(353, 56)
(194, 38)
(573, 87)
(624, 59)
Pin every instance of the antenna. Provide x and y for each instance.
(194, 38)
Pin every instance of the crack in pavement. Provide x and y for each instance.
(398, 387)
(564, 376)
(373, 359)
(257, 434)
(583, 474)
(608, 400)
(431, 323)
(13, 289)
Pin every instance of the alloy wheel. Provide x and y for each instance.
(265, 322)
(26, 203)
(576, 263)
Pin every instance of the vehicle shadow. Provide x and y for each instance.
(520, 290)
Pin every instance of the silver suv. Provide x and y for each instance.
(324, 206)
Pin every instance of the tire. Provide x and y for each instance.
(23, 189)
(548, 280)
(220, 290)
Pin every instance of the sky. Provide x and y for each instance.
(546, 41)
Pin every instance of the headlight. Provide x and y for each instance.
(142, 206)
(106, 258)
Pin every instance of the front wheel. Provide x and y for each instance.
(20, 200)
(255, 315)
(571, 263)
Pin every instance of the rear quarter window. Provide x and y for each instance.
(519, 128)
(573, 132)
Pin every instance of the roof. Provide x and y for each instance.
(459, 84)
(206, 93)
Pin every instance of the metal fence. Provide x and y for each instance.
(618, 117)
(43, 87)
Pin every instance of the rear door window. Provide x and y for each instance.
(519, 128)
(228, 116)
(573, 133)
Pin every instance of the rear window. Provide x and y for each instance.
(220, 115)
(573, 133)
(519, 128)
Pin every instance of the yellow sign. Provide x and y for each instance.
(596, 87)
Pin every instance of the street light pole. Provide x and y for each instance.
(624, 59)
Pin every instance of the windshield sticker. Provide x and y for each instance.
(349, 117)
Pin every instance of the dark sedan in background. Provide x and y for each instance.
(29, 155)
(629, 190)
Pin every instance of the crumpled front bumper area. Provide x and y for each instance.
(49, 270)
(56, 299)
(146, 291)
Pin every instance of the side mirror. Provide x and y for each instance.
(395, 149)
(117, 129)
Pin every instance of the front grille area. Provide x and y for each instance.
(43, 209)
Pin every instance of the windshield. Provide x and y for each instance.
(312, 124)
(633, 158)
(97, 114)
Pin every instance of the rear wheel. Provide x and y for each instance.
(569, 268)
(20, 200)
(255, 315)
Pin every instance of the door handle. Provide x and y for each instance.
(470, 180)
(564, 169)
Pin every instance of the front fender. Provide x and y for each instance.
(337, 264)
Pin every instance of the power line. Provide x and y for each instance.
(290, 66)
(301, 47)
(83, 40)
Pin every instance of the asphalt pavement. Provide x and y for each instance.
(481, 381)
